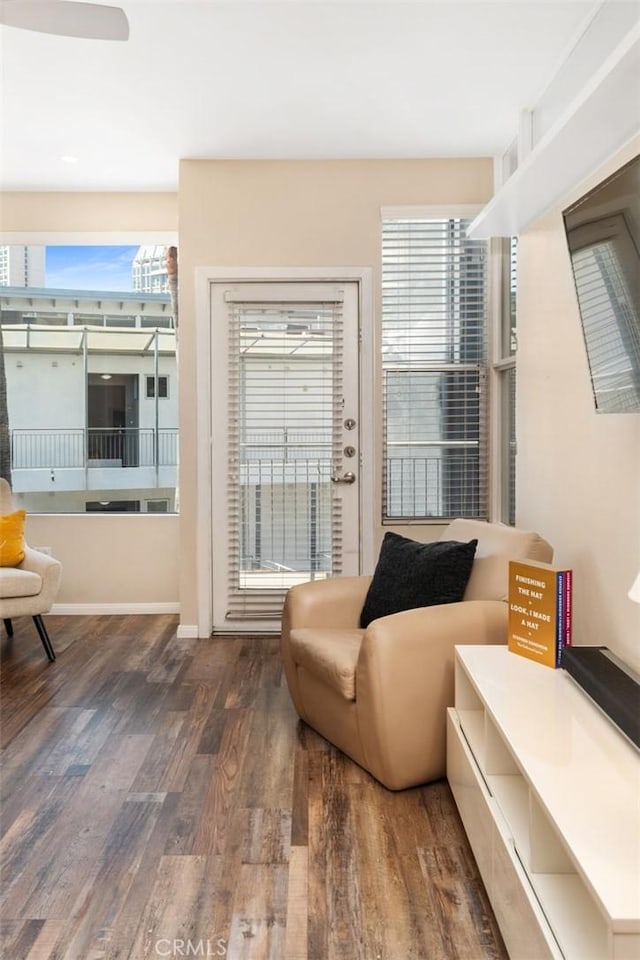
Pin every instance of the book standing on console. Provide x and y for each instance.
(540, 611)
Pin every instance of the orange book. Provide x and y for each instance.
(539, 611)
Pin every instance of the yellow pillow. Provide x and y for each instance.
(12, 538)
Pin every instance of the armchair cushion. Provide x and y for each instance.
(330, 655)
(410, 574)
(12, 538)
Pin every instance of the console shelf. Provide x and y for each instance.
(549, 794)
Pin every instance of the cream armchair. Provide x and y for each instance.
(29, 589)
(381, 694)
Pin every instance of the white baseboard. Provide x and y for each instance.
(187, 631)
(112, 609)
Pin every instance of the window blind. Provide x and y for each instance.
(506, 381)
(285, 408)
(434, 323)
(509, 446)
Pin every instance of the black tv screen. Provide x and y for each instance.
(603, 236)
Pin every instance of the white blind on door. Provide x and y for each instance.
(434, 321)
(284, 415)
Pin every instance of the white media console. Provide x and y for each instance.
(548, 790)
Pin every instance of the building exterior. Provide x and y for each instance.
(22, 266)
(149, 271)
(92, 399)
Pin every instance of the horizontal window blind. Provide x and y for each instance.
(505, 381)
(285, 393)
(434, 321)
(509, 447)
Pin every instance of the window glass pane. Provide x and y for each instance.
(82, 337)
(284, 413)
(157, 506)
(508, 391)
(433, 357)
(506, 381)
(433, 460)
(163, 387)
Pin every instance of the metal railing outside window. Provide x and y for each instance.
(104, 447)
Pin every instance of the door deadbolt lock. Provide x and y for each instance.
(349, 451)
(349, 423)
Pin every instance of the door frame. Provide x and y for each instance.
(205, 278)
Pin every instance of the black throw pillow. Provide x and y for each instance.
(411, 574)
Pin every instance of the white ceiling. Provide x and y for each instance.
(265, 80)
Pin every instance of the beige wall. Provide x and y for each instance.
(116, 560)
(578, 472)
(289, 214)
(87, 212)
(119, 560)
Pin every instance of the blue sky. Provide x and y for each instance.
(89, 268)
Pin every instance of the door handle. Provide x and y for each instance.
(348, 477)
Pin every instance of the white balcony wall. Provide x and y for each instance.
(47, 391)
(139, 483)
(44, 391)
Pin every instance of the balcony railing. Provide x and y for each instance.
(446, 483)
(94, 447)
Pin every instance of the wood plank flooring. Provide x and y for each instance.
(160, 798)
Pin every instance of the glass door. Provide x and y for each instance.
(285, 452)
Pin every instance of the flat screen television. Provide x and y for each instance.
(603, 236)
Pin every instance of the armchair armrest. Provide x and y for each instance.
(405, 682)
(49, 569)
(321, 604)
(335, 603)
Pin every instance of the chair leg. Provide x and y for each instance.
(44, 636)
(8, 627)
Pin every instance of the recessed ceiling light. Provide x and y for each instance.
(106, 376)
(68, 158)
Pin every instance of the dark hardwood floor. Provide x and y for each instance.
(160, 798)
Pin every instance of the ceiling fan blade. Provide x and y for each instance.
(66, 18)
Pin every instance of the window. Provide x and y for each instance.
(434, 321)
(157, 506)
(112, 506)
(78, 347)
(163, 387)
(505, 369)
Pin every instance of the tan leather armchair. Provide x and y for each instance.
(381, 694)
